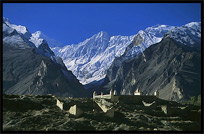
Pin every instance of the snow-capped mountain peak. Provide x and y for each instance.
(38, 37)
(146, 38)
(15, 36)
(101, 34)
(35, 38)
(193, 24)
(188, 34)
(90, 59)
(18, 28)
(158, 30)
(20, 37)
(5, 20)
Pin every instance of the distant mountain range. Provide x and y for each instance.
(90, 59)
(161, 57)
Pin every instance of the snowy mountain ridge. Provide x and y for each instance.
(31, 70)
(146, 38)
(38, 36)
(19, 28)
(188, 34)
(89, 60)
(20, 37)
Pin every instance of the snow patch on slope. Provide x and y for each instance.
(189, 34)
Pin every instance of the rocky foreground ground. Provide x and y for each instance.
(40, 113)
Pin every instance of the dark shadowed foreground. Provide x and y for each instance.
(40, 113)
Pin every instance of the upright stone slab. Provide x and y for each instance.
(115, 92)
(76, 111)
(60, 104)
(111, 95)
(137, 92)
(156, 93)
(101, 94)
(94, 94)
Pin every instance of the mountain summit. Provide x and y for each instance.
(38, 36)
(89, 60)
(32, 69)
(171, 66)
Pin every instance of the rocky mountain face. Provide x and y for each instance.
(90, 59)
(124, 63)
(142, 40)
(172, 66)
(31, 69)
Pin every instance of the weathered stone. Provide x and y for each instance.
(60, 104)
(76, 111)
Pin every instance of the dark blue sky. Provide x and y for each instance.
(72, 22)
